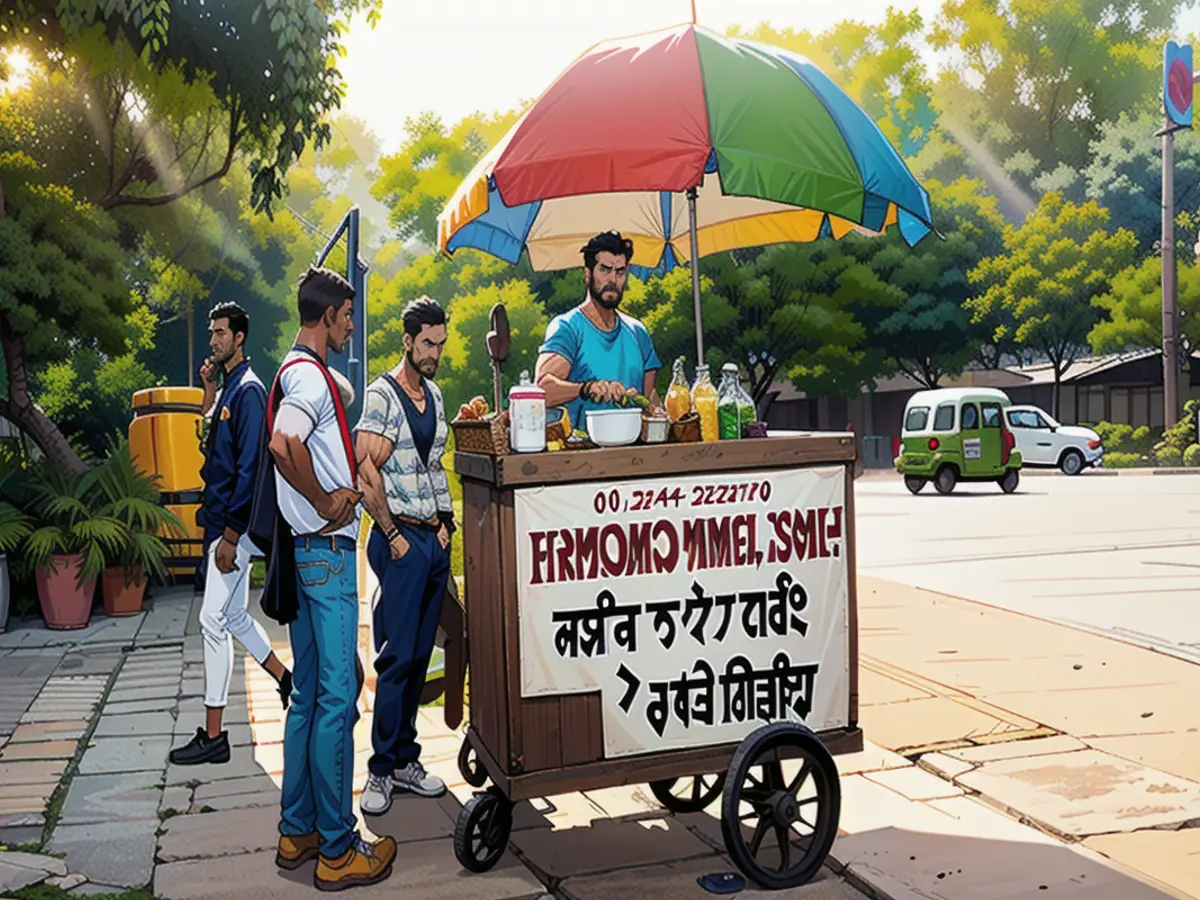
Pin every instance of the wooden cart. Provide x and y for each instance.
(531, 742)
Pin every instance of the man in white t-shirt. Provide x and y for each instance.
(315, 476)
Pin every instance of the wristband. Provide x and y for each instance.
(392, 535)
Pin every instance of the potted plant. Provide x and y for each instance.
(67, 546)
(131, 497)
(14, 530)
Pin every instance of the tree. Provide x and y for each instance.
(418, 180)
(61, 292)
(931, 336)
(1036, 80)
(1133, 306)
(1052, 268)
(155, 99)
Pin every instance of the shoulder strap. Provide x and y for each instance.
(340, 410)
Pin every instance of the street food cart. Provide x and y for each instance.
(677, 613)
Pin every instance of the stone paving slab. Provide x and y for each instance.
(232, 787)
(426, 869)
(111, 798)
(125, 754)
(48, 731)
(51, 865)
(129, 707)
(135, 725)
(915, 784)
(243, 801)
(32, 772)
(39, 750)
(117, 855)
(1172, 857)
(32, 803)
(606, 846)
(13, 878)
(214, 834)
(1087, 792)
(240, 765)
(122, 694)
(677, 881)
(1062, 743)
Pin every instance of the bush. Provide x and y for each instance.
(1168, 455)
(1120, 438)
(1119, 460)
(1191, 456)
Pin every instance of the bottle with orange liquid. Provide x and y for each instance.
(704, 398)
(679, 396)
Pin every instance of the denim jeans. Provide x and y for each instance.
(318, 740)
(406, 621)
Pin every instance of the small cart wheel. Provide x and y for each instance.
(945, 480)
(779, 831)
(482, 831)
(698, 791)
(1008, 483)
(470, 767)
(914, 484)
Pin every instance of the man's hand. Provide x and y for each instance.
(226, 556)
(338, 509)
(444, 536)
(607, 391)
(399, 547)
(208, 372)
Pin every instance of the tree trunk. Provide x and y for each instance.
(1057, 389)
(19, 408)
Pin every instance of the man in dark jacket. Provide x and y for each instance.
(230, 468)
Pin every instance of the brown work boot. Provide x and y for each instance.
(296, 851)
(362, 864)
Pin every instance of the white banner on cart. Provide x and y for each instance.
(699, 607)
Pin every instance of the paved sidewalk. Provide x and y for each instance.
(976, 718)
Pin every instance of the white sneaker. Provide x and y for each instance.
(414, 778)
(376, 797)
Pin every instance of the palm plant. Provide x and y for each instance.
(131, 497)
(15, 527)
(69, 520)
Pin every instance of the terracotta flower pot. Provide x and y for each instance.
(65, 605)
(123, 595)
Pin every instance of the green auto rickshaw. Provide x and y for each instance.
(954, 435)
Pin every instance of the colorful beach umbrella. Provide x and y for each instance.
(678, 134)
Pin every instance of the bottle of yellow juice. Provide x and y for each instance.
(679, 397)
(704, 398)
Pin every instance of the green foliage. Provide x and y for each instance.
(1121, 438)
(131, 497)
(1168, 456)
(1134, 307)
(1123, 460)
(1052, 269)
(1191, 456)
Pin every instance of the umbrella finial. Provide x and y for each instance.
(693, 12)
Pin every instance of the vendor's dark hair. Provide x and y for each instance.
(606, 242)
(239, 319)
(421, 312)
(321, 289)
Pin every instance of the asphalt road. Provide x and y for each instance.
(1115, 554)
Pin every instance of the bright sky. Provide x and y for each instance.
(457, 57)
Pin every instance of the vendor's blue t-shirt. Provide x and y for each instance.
(624, 354)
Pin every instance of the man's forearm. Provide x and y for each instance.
(374, 495)
(559, 391)
(294, 463)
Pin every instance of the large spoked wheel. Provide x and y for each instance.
(482, 831)
(914, 484)
(779, 819)
(691, 794)
(470, 767)
(945, 480)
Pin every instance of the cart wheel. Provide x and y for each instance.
(914, 484)
(695, 792)
(482, 831)
(777, 831)
(472, 770)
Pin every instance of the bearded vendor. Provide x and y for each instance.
(594, 354)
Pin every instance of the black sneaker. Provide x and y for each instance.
(285, 688)
(202, 749)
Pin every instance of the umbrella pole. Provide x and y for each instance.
(691, 196)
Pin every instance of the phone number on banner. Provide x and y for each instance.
(617, 500)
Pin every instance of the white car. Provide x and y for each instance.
(1047, 443)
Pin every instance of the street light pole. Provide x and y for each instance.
(1170, 304)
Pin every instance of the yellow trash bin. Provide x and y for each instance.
(165, 440)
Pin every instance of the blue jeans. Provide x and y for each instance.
(406, 621)
(318, 741)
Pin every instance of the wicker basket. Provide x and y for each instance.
(686, 430)
(488, 435)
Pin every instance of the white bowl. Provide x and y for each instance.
(614, 427)
(657, 429)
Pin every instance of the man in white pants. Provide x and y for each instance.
(230, 467)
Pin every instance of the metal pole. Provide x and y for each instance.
(691, 195)
(1170, 306)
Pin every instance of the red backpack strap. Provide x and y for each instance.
(338, 407)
